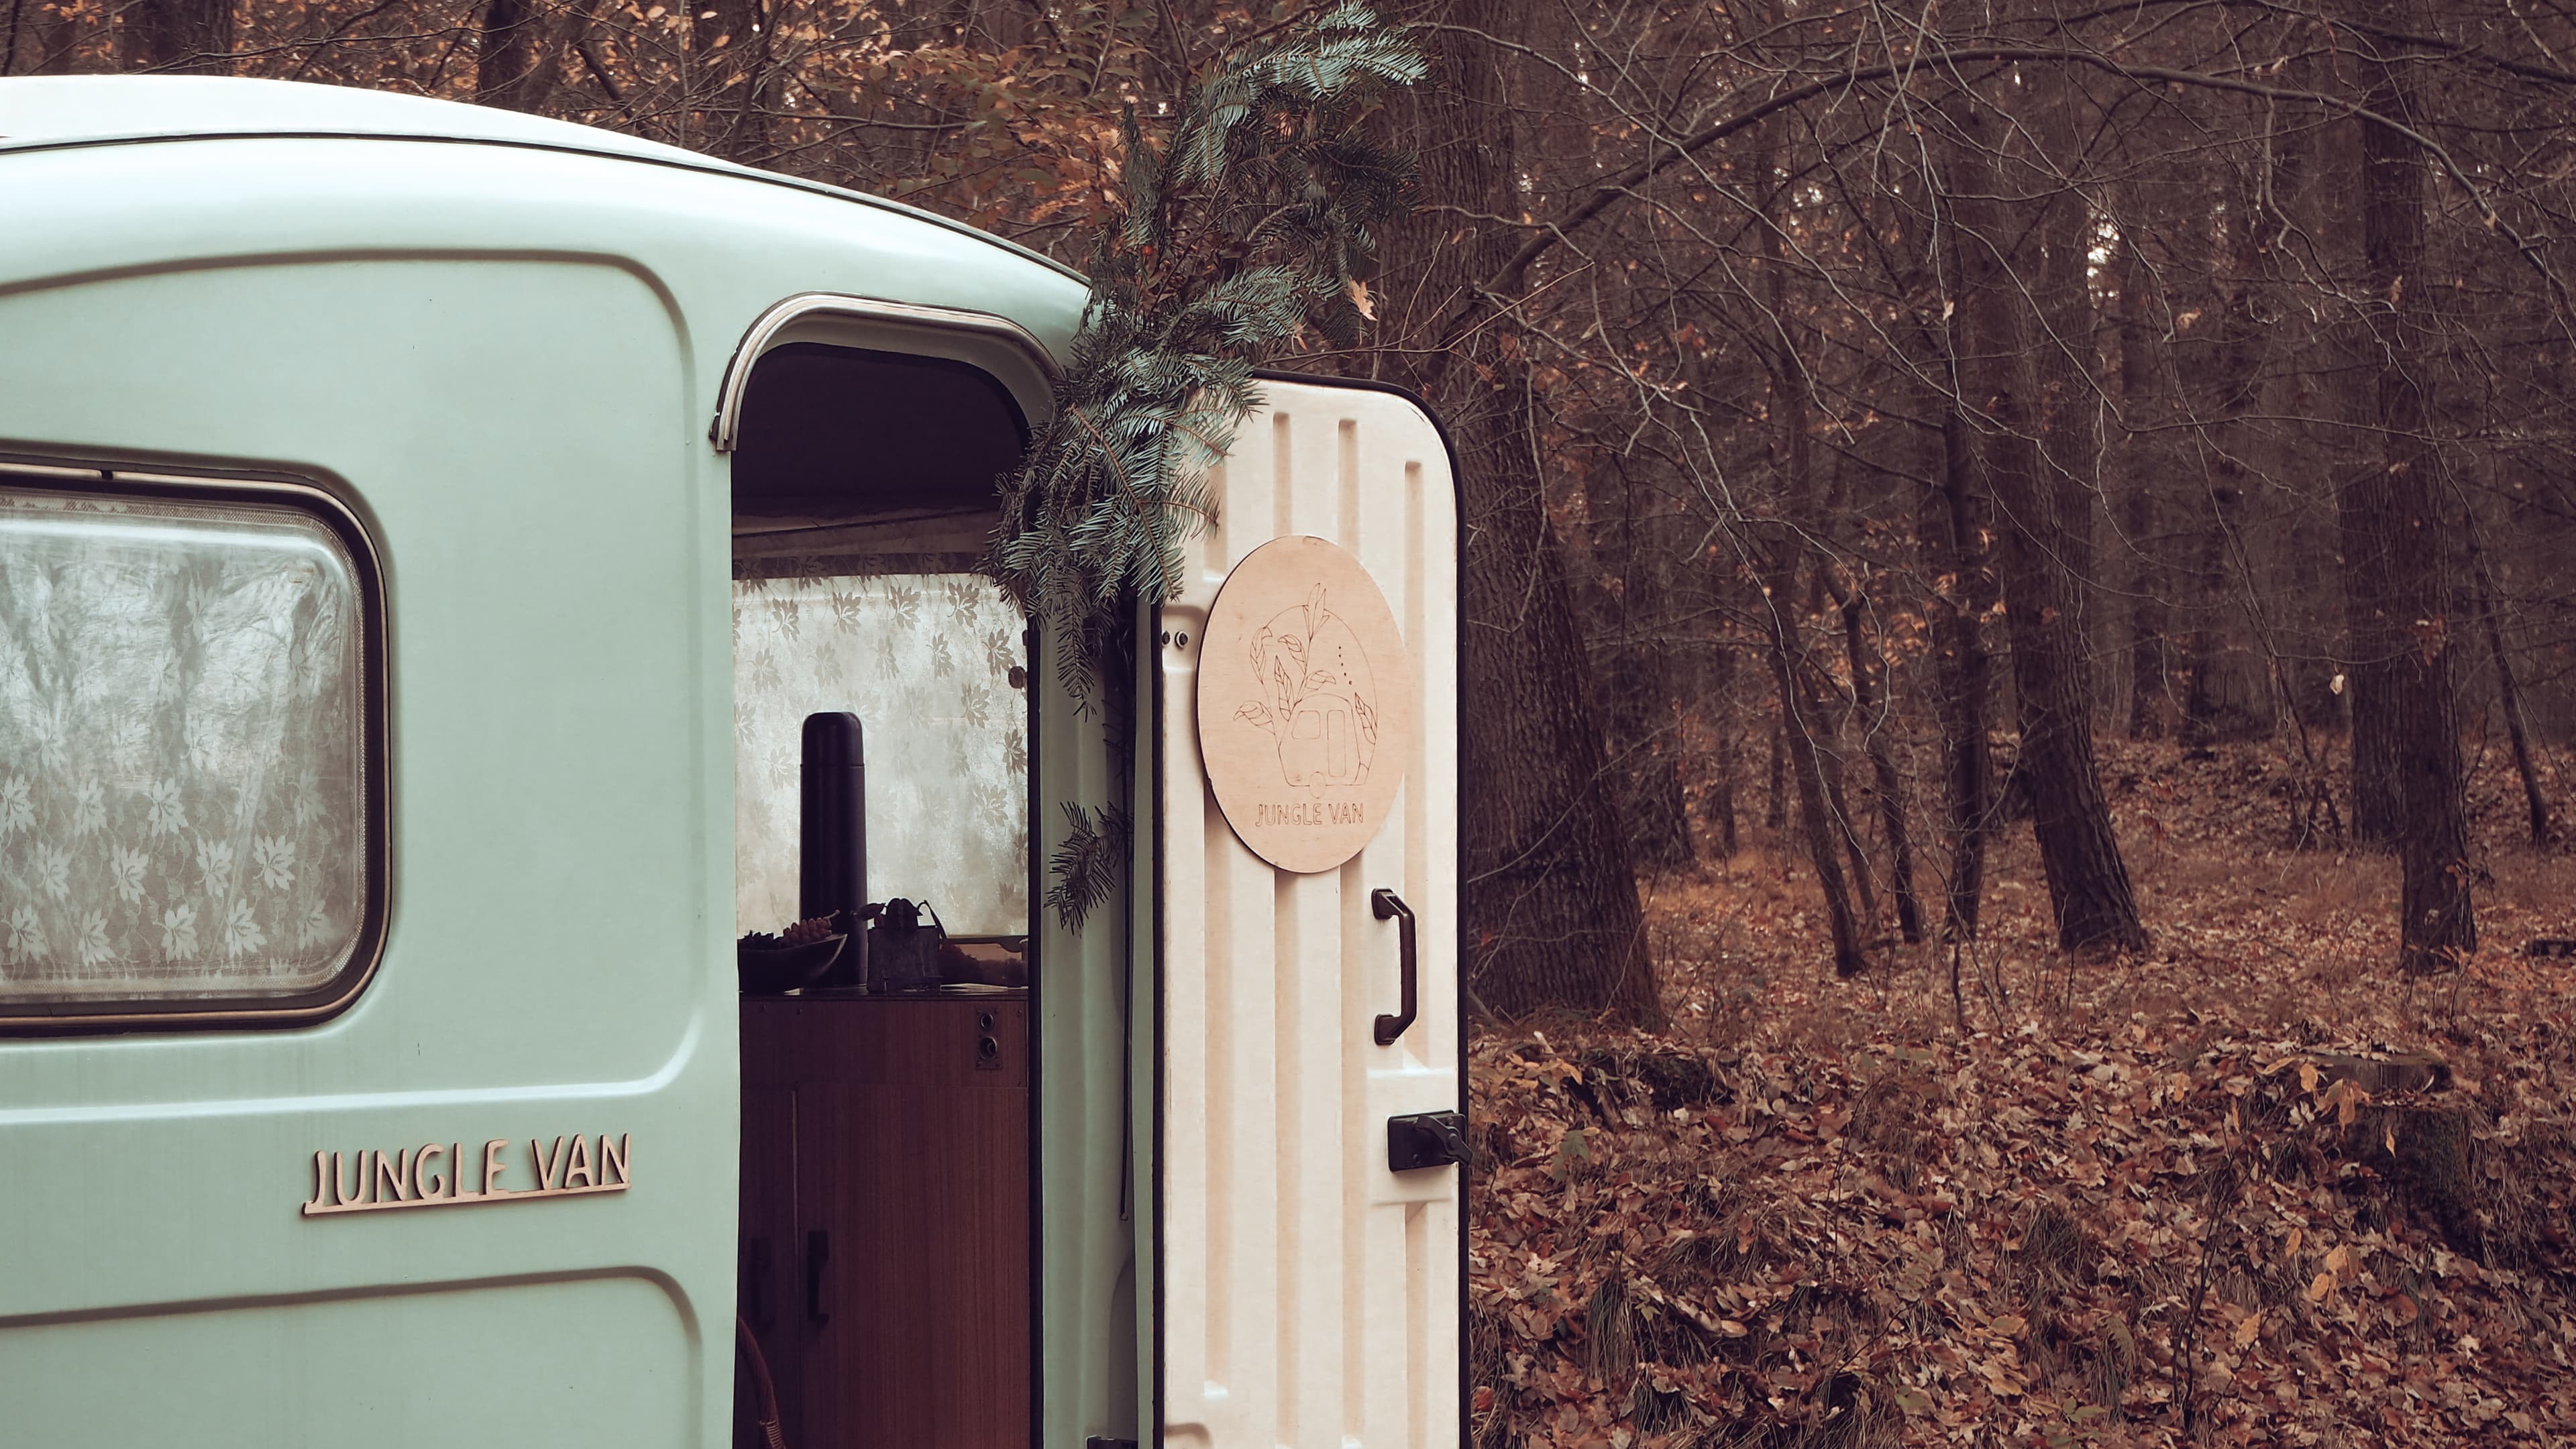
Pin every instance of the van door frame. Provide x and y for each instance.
(987, 338)
(725, 429)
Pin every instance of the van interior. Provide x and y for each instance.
(883, 733)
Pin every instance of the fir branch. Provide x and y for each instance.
(1086, 864)
(1252, 224)
(1256, 221)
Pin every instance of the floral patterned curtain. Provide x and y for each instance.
(182, 749)
(930, 663)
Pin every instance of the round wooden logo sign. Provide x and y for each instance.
(1305, 704)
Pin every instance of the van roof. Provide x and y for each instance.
(53, 112)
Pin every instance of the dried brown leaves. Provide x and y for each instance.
(2202, 1186)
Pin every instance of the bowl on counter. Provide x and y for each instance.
(768, 966)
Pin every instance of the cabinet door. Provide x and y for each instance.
(1311, 1292)
(768, 1248)
(912, 1189)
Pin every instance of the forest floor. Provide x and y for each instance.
(2253, 1188)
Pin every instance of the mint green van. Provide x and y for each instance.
(424, 532)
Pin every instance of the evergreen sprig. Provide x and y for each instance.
(1088, 862)
(1253, 219)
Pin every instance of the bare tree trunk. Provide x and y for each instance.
(176, 35)
(1957, 524)
(2230, 699)
(2147, 613)
(1553, 918)
(1814, 738)
(1877, 734)
(1798, 733)
(1635, 672)
(514, 56)
(1775, 806)
(2370, 659)
(2088, 884)
(2509, 693)
(1838, 810)
(1730, 753)
(2066, 355)
(736, 82)
(1829, 746)
(2403, 598)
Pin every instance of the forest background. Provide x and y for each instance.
(2021, 617)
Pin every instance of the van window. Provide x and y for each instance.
(184, 770)
(932, 664)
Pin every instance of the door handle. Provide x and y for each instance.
(818, 1252)
(1385, 903)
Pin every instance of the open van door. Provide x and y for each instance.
(1311, 1076)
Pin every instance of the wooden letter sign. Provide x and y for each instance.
(378, 1180)
(1305, 704)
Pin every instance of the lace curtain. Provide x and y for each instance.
(928, 662)
(182, 767)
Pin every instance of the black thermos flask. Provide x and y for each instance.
(832, 873)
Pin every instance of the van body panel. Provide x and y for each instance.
(560, 877)
(523, 1362)
(500, 344)
(504, 362)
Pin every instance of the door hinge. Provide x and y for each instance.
(1425, 1139)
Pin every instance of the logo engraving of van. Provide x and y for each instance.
(1310, 662)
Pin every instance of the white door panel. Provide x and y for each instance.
(1311, 1295)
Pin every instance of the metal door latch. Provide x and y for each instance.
(1425, 1139)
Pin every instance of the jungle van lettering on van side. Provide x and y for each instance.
(434, 1174)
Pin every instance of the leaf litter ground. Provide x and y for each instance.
(2249, 1189)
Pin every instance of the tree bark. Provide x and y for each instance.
(2065, 353)
(2147, 612)
(1730, 752)
(2230, 699)
(736, 81)
(2400, 593)
(2088, 884)
(1957, 523)
(1814, 737)
(513, 58)
(1838, 810)
(1798, 726)
(2517, 727)
(176, 35)
(1877, 734)
(1636, 672)
(1775, 803)
(2370, 660)
(1553, 918)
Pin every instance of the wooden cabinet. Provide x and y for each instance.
(885, 1249)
